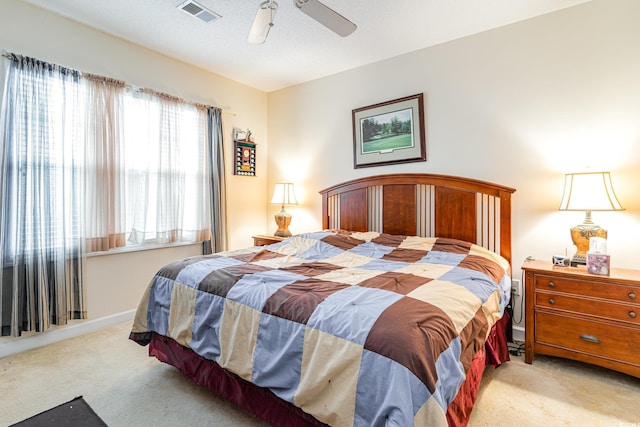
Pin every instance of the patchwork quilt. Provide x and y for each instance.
(356, 329)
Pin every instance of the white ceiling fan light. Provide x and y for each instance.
(312, 8)
(326, 16)
(262, 22)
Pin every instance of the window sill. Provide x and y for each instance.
(139, 248)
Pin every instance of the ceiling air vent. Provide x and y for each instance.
(199, 11)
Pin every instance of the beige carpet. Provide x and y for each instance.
(128, 388)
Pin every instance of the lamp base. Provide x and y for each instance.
(580, 235)
(283, 219)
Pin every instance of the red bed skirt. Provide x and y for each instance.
(268, 407)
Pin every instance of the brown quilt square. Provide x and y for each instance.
(391, 240)
(484, 265)
(297, 301)
(257, 256)
(405, 255)
(452, 246)
(312, 269)
(400, 283)
(342, 241)
(413, 333)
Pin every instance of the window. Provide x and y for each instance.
(165, 170)
(88, 164)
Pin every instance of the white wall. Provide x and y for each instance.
(520, 105)
(116, 282)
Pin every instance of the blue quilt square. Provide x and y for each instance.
(477, 283)
(159, 305)
(320, 251)
(278, 355)
(450, 374)
(253, 290)
(371, 250)
(383, 265)
(206, 325)
(387, 392)
(316, 235)
(444, 258)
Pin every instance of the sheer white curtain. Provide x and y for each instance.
(166, 174)
(42, 196)
(105, 181)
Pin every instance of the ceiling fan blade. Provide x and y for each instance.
(326, 16)
(262, 22)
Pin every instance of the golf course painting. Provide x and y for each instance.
(387, 132)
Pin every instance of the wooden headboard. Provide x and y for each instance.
(423, 205)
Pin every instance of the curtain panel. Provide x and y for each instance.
(217, 184)
(42, 197)
(105, 183)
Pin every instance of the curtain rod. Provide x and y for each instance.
(117, 82)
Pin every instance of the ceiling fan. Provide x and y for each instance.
(313, 8)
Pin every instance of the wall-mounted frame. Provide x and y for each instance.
(245, 158)
(390, 132)
(244, 153)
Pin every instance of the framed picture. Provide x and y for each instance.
(390, 132)
(244, 150)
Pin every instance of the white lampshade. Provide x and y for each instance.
(284, 194)
(589, 191)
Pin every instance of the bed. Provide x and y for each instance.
(388, 315)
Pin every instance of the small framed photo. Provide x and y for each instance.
(598, 264)
(390, 132)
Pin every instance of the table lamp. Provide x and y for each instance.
(283, 194)
(589, 191)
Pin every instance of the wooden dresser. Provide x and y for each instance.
(576, 315)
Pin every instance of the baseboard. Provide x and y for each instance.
(518, 333)
(25, 343)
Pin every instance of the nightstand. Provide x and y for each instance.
(576, 315)
(263, 240)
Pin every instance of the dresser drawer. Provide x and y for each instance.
(600, 308)
(591, 286)
(618, 343)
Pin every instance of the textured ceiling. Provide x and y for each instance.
(298, 48)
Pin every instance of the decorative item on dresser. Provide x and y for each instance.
(576, 315)
(264, 240)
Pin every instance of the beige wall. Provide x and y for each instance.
(520, 105)
(116, 282)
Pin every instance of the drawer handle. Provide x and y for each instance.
(632, 314)
(632, 295)
(552, 301)
(590, 338)
(552, 285)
